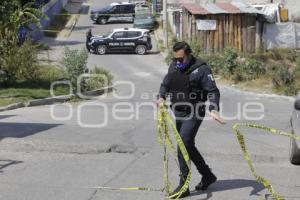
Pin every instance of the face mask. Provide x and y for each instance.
(182, 66)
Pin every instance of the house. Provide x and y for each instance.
(175, 15)
(220, 25)
(293, 6)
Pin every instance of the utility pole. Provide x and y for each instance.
(165, 23)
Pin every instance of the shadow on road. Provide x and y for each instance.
(5, 116)
(20, 130)
(68, 43)
(223, 185)
(50, 43)
(7, 163)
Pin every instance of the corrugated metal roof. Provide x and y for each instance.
(221, 8)
(246, 8)
(213, 8)
(229, 7)
(195, 9)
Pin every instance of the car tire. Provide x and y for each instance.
(140, 49)
(294, 153)
(101, 20)
(101, 49)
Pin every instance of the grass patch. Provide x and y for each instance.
(18, 95)
(25, 90)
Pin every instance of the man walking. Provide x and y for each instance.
(189, 83)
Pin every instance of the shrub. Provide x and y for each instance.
(230, 61)
(28, 62)
(283, 78)
(298, 63)
(19, 63)
(196, 46)
(75, 63)
(255, 68)
(215, 61)
(50, 74)
(104, 79)
(283, 54)
(105, 72)
(249, 69)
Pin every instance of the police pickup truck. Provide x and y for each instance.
(123, 11)
(123, 39)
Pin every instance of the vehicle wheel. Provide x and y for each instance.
(101, 20)
(141, 50)
(101, 49)
(294, 153)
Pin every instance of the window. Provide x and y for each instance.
(127, 9)
(121, 34)
(114, 9)
(122, 9)
(133, 34)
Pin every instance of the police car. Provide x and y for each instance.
(123, 11)
(123, 39)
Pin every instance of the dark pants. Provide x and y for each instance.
(188, 129)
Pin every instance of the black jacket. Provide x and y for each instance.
(202, 78)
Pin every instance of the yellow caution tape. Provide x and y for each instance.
(164, 121)
(166, 124)
(242, 143)
(129, 189)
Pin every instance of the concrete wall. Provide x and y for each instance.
(50, 9)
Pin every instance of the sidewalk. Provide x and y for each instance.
(54, 46)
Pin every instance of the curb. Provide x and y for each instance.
(258, 94)
(49, 100)
(98, 92)
(53, 100)
(12, 107)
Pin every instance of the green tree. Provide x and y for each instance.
(13, 16)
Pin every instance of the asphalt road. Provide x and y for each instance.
(43, 156)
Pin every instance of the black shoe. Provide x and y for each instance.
(206, 181)
(184, 194)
